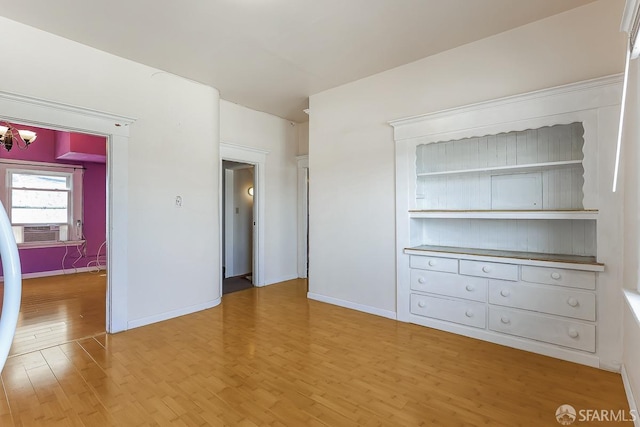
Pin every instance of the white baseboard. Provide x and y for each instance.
(352, 305)
(630, 397)
(281, 279)
(58, 272)
(171, 314)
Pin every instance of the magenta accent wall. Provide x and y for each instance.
(80, 147)
(94, 194)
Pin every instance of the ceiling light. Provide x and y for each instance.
(10, 136)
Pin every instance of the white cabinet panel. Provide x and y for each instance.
(519, 191)
(559, 276)
(449, 284)
(492, 270)
(545, 299)
(434, 263)
(458, 311)
(567, 333)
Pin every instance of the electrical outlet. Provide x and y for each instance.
(178, 201)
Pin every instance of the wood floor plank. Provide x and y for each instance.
(270, 356)
(59, 309)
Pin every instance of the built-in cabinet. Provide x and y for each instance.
(500, 219)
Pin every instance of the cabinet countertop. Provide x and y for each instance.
(532, 258)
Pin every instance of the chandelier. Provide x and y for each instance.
(10, 136)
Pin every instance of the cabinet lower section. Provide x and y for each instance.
(549, 310)
(567, 333)
(463, 312)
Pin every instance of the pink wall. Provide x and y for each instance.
(80, 147)
(94, 193)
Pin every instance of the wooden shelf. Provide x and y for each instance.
(588, 263)
(493, 214)
(509, 168)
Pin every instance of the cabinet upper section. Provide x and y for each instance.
(545, 147)
(542, 151)
(534, 169)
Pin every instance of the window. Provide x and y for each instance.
(43, 201)
(39, 198)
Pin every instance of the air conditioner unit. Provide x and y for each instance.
(41, 233)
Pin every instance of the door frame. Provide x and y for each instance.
(57, 116)
(257, 158)
(303, 215)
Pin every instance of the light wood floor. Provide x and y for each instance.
(269, 356)
(59, 309)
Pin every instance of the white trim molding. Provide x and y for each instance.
(172, 314)
(352, 305)
(633, 408)
(464, 121)
(66, 271)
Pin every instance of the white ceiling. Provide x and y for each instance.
(271, 55)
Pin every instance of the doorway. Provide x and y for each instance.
(62, 117)
(256, 158)
(61, 240)
(238, 183)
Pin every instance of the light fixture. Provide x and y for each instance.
(10, 136)
(250, 191)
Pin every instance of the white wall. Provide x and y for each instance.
(629, 178)
(243, 221)
(173, 150)
(351, 148)
(242, 126)
(303, 138)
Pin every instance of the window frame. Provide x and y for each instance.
(69, 192)
(75, 195)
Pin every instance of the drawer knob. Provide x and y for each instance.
(421, 304)
(469, 288)
(422, 280)
(573, 333)
(505, 320)
(486, 269)
(572, 302)
(556, 276)
(468, 313)
(505, 293)
(431, 263)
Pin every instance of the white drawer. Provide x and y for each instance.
(540, 327)
(492, 270)
(457, 311)
(545, 299)
(559, 276)
(449, 265)
(449, 284)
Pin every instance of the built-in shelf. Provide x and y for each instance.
(509, 168)
(588, 263)
(495, 214)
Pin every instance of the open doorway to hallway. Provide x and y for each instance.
(238, 226)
